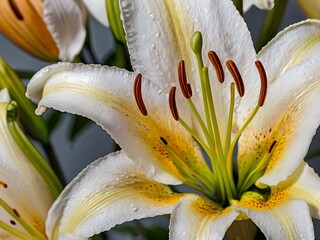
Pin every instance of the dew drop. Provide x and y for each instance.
(158, 34)
(153, 46)
(134, 208)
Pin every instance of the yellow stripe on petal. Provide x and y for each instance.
(195, 217)
(155, 141)
(112, 189)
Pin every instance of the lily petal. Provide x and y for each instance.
(195, 217)
(98, 10)
(108, 192)
(287, 220)
(305, 184)
(159, 34)
(21, 187)
(106, 96)
(284, 121)
(65, 20)
(300, 40)
(262, 4)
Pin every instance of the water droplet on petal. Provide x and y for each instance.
(158, 34)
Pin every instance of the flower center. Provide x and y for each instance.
(220, 152)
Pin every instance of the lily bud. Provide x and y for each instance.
(34, 125)
(22, 22)
(311, 8)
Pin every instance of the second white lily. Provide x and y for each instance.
(162, 134)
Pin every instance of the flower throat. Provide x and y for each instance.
(219, 184)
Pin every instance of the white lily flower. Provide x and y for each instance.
(48, 29)
(262, 4)
(161, 142)
(25, 196)
(66, 22)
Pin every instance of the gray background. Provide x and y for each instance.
(93, 142)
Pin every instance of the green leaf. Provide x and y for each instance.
(78, 124)
(271, 23)
(119, 57)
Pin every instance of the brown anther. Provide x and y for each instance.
(164, 141)
(264, 83)
(138, 95)
(173, 104)
(232, 67)
(272, 146)
(3, 184)
(16, 212)
(15, 10)
(214, 59)
(12, 222)
(182, 76)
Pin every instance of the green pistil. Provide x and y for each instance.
(33, 232)
(216, 154)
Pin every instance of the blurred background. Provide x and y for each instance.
(92, 142)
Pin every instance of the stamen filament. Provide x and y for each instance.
(200, 121)
(258, 171)
(195, 135)
(229, 162)
(33, 232)
(230, 118)
(17, 233)
(185, 169)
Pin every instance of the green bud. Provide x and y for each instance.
(115, 22)
(34, 125)
(196, 43)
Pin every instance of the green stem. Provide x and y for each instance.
(271, 24)
(239, 6)
(24, 73)
(54, 163)
(312, 155)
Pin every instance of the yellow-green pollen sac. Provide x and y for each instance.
(219, 185)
